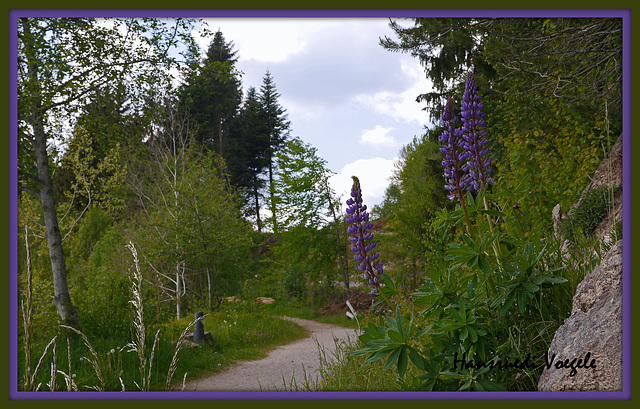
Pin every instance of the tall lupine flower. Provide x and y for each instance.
(474, 137)
(455, 156)
(362, 243)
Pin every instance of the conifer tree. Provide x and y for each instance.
(278, 128)
(212, 94)
(249, 158)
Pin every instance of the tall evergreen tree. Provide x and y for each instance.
(212, 94)
(249, 154)
(278, 128)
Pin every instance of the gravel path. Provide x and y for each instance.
(283, 367)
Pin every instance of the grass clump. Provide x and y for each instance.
(586, 218)
(341, 371)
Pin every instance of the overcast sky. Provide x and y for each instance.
(343, 93)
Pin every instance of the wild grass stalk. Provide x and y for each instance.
(174, 361)
(138, 344)
(36, 371)
(68, 377)
(94, 360)
(27, 316)
(53, 384)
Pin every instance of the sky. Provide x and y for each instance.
(343, 93)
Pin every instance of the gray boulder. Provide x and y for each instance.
(590, 340)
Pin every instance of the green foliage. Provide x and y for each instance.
(391, 340)
(81, 244)
(294, 283)
(551, 157)
(475, 306)
(347, 373)
(585, 218)
(301, 191)
(411, 200)
(103, 288)
(305, 259)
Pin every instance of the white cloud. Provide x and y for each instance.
(379, 137)
(402, 105)
(267, 39)
(373, 173)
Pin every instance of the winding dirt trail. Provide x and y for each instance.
(283, 367)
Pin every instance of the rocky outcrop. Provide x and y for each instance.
(592, 334)
(609, 173)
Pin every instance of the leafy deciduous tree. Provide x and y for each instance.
(60, 62)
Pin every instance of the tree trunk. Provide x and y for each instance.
(61, 297)
(256, 197)
(219, 132)
(272, 196)
(178, 292)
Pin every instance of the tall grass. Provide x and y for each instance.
(139, 330)
(97, 363)
(147, 363)
(339, 371)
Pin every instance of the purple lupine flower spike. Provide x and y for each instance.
(454, 154)
(474, 137)
(361, 237)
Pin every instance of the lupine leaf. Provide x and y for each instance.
(395, 336)
(522, 301)
(393, 358)
(416, 358)
(424, 331)
(464, 333)
(485, 267)
(473, 334)
(403, 361)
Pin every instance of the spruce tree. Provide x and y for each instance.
(278, 128)
(212, 94)
(249, 159)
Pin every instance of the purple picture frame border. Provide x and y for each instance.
(624, 14)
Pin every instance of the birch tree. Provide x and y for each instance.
(191, 225)
(60, 62)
